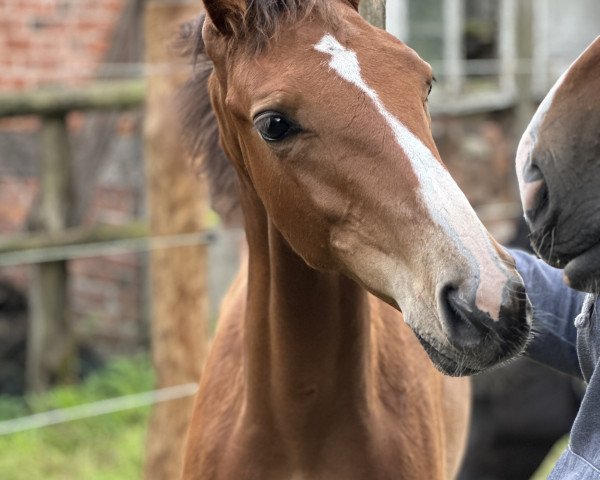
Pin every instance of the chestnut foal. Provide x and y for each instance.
(350, 219)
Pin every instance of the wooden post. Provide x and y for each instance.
(397, 22)
(373, 11)
(178, 275)
(51, 347)
(525, 107)
(507, 45)
(454, 58)
(540, 52)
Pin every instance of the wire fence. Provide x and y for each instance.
(95, 409)
(136, 70)
(109, 247)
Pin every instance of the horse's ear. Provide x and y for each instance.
(354, 3)
(225, 14)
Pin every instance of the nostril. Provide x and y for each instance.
(461, 321)
(536, 200)
(532, 172)
(540, 205)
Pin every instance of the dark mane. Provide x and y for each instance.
(201, 130)
(263, 20)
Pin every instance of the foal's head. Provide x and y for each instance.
(325, 120)
(558, 166)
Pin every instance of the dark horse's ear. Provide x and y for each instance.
(225, 14)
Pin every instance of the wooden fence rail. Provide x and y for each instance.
(72, 236)
(52, 101)
(51, 345)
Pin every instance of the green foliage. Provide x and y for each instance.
(108, 447)
(548, 464)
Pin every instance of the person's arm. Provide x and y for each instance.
(555, 306)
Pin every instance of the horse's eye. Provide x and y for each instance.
(430, 84)
(430, 89)
(274, 127)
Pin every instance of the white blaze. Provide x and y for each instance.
(444, 201)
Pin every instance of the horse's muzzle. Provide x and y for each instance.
(475, 341)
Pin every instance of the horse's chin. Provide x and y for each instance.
(580, 261)
(583, 271)
(445, 364)
(492, 355)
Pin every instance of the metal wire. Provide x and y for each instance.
(95, 409)
(110, 247)
(490, 66)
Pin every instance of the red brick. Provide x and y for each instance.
(103, 268)
(126, 259)
(46, 39)
(17, 275)
(128, 124)
(20, 124)
(18, 44)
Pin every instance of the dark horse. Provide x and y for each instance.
(558, 166)
(356, 235)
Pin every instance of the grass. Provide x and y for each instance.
(545, 468)
(108, 447)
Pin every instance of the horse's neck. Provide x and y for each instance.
(306, 338)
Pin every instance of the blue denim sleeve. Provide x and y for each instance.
(555, 306)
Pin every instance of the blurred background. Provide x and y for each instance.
(112, 265)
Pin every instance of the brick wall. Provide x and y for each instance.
(63, 42)
(53, 41)
(16, 196)
(106, 293)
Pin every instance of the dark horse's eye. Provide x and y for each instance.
(430, 85)
(274, 127)
(430, 89)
